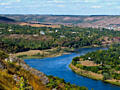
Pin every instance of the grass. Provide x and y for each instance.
(40, 25)
(60, 84)
(43, 53)
(89, 75)
(7, 81)
(85, 73)
(112, 82)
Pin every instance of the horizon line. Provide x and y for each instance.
(64, 14)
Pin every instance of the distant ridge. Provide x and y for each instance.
(6, 20)
(95, 21)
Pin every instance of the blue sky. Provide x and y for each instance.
(61, 7)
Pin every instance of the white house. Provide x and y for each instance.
(56, 30)
(41, 32)
(89, 58)
(10, 30)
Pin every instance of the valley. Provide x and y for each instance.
(18, 42)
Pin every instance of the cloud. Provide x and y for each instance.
(72, 1)
(7, 7)
(96, 7)
(118, 7)
(18, 0)
(60, 5)
(88, 1)
(5, 4)
(8, 2)
(58, 1)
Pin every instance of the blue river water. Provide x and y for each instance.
(59, 66)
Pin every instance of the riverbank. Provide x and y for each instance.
(93, 75)
(54, 52)
(85, 73)
(16, 74)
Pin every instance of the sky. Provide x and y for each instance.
(61, 7)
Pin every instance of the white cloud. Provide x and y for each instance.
(87, 1)
(118, 7)
(96, 7)
(9, 2)
(5, 4)
(18, 0)
(58, 1)
(71, 1)
(7, 7)
(60, 5)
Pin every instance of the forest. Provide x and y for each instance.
(107, 62)
(16, 38)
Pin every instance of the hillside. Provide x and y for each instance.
(16, 75)
(12, 20)
(110, 22)
(6, 20)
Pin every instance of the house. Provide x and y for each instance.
(50, 31)
(56, 30)
(74, 32)
(35, 35)
(10, 30)
(62, 36)
(41, 32)
(116, 39)
(89, 58)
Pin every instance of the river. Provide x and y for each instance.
(59, 66)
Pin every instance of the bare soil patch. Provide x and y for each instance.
(88, 63)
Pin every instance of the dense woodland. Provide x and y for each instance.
(16, 38)
(108, 62)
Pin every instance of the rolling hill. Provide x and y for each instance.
(95, 21)
(6, 20)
